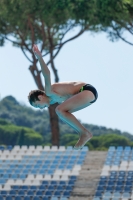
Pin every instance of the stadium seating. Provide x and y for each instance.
(116, 180)
(39, 172)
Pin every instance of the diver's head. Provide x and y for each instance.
(38, 99)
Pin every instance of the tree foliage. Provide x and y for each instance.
(117, 18)
(17, 135)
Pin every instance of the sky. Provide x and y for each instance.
(93, 59)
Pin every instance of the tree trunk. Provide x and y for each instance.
(54, 121)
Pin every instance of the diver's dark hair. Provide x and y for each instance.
(33, 95)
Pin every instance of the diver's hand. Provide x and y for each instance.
(36, 51)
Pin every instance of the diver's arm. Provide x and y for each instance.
(45, 70)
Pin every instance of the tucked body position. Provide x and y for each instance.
(71, 97)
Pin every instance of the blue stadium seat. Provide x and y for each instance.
(119, 148)
(47, 162)
(1, 198)
(9, 171)
(8, 198)
(21, 192)
(9, 147)
(121, 178)
(54, 183)
(118, 188)
(8, 162)
(69, 148)
(112, 177)
(119, 183)
(71, 182)
(117, 163)
(22, 176)
(39, 162)
(20, 167)
(45, 198)
(69, 188)
(26, 171)
(69, 166)
(16, 171)
(125, 158)
(12, 166)
(3, 181)
(117, 194)
(73, 177)
(51, 187)
(51, 171)
(63, 198)
(66, 194)
(39, 193)
(57, 193)
(109, 188)
(2, 171)
(64, 183)
(45, 183)
(18, 198)
(107, 194)
(13, 192)
(4, 192)
(27, 198)
(61, 166)
(108, 163)
(127, 148)
(54, 198)
(2, 148)
(122, 173)
(36, 198)
(129, 178)
(79, 162)
(126, 195)
(15, 187)
(42, 187)
(130, 173)
(34, 171)
(60, 187)
(113, 173)
(102, 183)
(30, 192)
(97, 198)
(128, 183)
(14, 176)
(111, 148)
(36, 166)
(48, 193)
(24, 187)
(103, 178)
(100, 188)
(52, 167)
(5, 176)
(127, 188)
(58, 157)
(111, 153)
(98, 194)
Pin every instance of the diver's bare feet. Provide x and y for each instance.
(84, 138)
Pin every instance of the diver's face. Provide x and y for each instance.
(42, 103)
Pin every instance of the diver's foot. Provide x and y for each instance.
(84, 138)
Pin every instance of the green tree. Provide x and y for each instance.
(117, 18)
(14, 135)
(103, 142)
